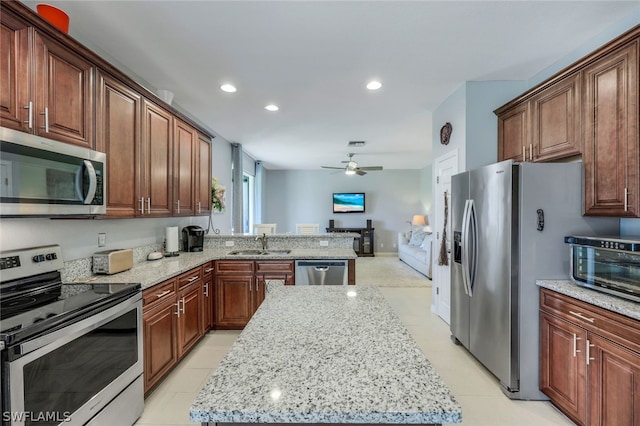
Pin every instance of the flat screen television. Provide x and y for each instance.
(348, 202)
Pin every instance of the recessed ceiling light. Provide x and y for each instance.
(271, 107)
(229, 88)
(374, 85)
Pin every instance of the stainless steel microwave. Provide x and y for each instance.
(610, 265)
(43, 177)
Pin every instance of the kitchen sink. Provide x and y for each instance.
(257, 252)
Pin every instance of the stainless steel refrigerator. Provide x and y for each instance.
(508, 224)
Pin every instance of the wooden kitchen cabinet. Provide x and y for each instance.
(118, 135)
(610, 129)
(190, 318)
(184, 167)
(234, 282)
(208, 293)
(202, 176)
(589, 361)
(267, 270)
(47, 89)
(513, 132)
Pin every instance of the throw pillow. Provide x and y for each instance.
(426, 243)
(417, 237)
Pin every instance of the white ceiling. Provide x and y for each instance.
(313, 59)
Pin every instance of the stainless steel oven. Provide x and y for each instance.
(71, 354)
(610, 265)
(42, 177)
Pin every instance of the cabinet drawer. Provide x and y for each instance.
(158, 293)
(190, 277)
(611, 325)
(234, 267)
(207, 269)
(274, 266)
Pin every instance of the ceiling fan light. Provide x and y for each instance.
(352, 165)
(349, 172)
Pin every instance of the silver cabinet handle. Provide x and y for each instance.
(626, 199)
(178, 310)
(192, 279)
(257, 285)
(30, 117)
(164, 293)
(199, 207)
(531, 151)
(183, 311)
(575, 344)
(178, 203)
(46, 120)
(250, 286)
(208, 270)
(206, 290)
(148, 205)
(524, 153)
(579, 315)
(142, 205)
(589, 345)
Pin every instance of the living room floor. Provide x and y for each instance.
(472, 385)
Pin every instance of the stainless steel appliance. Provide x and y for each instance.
(42, 177)
(607, 264)
(508, 223)
(70, 354)
(321, 272)
(192, 238)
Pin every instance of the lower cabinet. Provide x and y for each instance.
(240, 288)
(173, 322)
(589, 361)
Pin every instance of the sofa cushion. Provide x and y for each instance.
(417, 237)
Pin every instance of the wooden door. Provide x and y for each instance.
(190, 325)
(555, 120)
(160, 344)
(118, 135)
(563, 366)
(611, 134)
(513, 133)
(156, 166)
(614, 384)
(202, 178)
(15, 92)
(234, 305)
(64, 106)
(185, 142)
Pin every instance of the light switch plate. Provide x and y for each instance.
(229, 243)
(324, 243)
(102, 239)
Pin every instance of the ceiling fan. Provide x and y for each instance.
(351, 167)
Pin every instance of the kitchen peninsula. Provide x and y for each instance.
(325, 355)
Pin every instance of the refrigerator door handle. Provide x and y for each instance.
(464, 248)
(473, 246)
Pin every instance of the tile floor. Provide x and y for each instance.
(476, 389)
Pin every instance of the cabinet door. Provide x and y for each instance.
(160, 344)
(185, 142)
(563, 366)
(512, 133)
(14, 78)
(190, 326)
(203, 176)
(156, 166)
(611, 134)
(555, 120)
(208, 302)
(234, 305)
(118, 135)
(64, 108)
(614, 384)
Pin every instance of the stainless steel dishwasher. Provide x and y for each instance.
(321, 272)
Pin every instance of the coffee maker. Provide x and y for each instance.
(192, 238)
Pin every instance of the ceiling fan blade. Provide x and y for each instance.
(329, 167)
(360, 172)
(371, 168)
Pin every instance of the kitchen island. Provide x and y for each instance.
(325, 355)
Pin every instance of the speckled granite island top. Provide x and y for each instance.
(605, 301)
(321, 355)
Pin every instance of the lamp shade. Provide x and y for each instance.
(418, 220)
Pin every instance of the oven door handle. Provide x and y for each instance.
(79, 328)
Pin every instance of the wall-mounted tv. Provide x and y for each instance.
(348, 202)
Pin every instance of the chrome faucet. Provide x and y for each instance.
(263, 239)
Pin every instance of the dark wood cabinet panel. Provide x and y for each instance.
(611, 144)
(234, 303)
(562, 365)
(15, 89)
(555, 121)
(190, 320)
(513, 133)
(160, 341)
(208, 294)
(202, 176)
(118, 135)
(184, 146)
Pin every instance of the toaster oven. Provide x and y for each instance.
(610, 265)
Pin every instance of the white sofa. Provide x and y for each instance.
(416, 256)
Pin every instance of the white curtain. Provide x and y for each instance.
(236, 182)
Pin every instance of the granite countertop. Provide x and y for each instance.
(597, 298)
(154, 272)
(317, 355)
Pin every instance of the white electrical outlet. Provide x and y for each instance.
(395, 245)
(102, 239)
(381, 245)
(229, 243)
(324, 243)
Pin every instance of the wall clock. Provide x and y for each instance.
(445, 133)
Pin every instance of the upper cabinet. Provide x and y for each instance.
(203, 176)
(184, 167)
(590, 109)
(48, 89)
(611, 134)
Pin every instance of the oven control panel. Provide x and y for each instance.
(22, 263)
